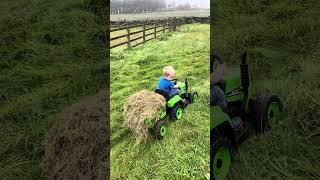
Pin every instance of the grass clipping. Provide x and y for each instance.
(140, 106)
(76, 147)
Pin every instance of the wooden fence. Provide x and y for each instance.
(139, 34)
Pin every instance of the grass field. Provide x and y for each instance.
(282, 38)
(184, 153)
(160, 15)
(52, 53)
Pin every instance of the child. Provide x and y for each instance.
(217, 96)
(216, 93)
(165, 83)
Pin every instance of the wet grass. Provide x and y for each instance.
(282, 38)
(184, 153)
(51, 54)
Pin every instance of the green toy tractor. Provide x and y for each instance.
(230, 128)
(174, 109)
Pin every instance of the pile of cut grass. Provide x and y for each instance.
(184, 152)
(75, 146)
(51, 54)
(138, 108)
(282, 38)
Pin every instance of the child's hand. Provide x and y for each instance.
(177, 85)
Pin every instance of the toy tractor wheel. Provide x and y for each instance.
(221, 157)
(267, 108)
(160, 129)
(176, 112)
(193, 97)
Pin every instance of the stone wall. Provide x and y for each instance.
(175, 21)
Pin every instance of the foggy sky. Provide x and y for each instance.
(201, 3)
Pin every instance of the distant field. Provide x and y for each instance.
(160, 15)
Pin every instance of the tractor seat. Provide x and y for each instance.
(163, 93)
(222, 85)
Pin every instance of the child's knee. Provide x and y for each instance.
(218, 96)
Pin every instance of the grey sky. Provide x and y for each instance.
(201, 3)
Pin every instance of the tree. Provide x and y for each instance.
(136, 6)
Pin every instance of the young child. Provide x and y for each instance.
(216, 94)
(165, 83)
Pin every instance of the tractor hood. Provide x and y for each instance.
(217, 117)
(232, 78)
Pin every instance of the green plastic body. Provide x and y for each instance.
(175, 99)
(233, 82)
(182, 88)
(218, 117)
(151, 122)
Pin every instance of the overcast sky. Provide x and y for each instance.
(201, 3)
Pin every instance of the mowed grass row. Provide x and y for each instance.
(282, 38)
(184, 153)
(51, 55)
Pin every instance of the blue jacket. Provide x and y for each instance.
(166, 85)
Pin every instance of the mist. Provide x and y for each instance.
(199, 3)
(148, 6)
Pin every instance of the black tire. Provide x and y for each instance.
(157, 129)
(173, 112)
(218, 143)
(192, 96)
(261, 107)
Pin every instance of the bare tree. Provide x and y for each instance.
(136, 6)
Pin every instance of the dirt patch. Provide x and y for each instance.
(76, 147)
(140, 106)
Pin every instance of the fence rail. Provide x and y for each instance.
(131, 33)
(127, 32)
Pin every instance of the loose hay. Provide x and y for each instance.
(76, 147)
(140, 106)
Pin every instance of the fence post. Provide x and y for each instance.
(144, 32)
(155, 30)
(163, 27)
(128, 37)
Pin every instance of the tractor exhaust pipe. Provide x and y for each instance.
(186, 82)
(245, 81)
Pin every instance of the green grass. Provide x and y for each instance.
(282, 38)
(184, 153)
(51, 54)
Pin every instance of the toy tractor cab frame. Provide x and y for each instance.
(174, 108)
(260, 112)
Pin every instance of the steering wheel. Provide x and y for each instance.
(212, 58)
(175, 81)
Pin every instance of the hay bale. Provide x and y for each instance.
(76, 147)
(140, 106)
